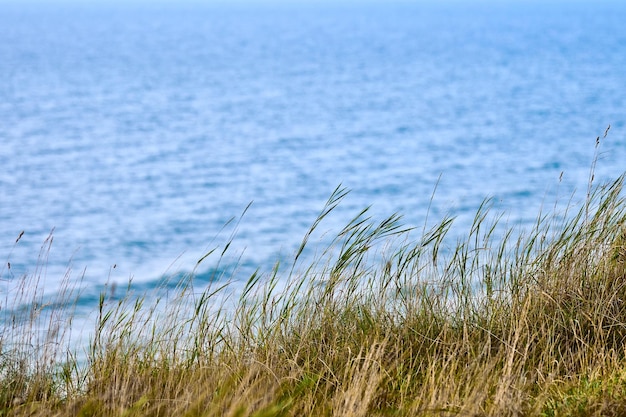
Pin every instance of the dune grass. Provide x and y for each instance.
(382, 323)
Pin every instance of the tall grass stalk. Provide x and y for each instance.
(381, 323)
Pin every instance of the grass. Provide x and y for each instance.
(381, 323)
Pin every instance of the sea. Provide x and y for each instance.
(138, 137)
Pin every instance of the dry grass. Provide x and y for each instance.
(381, 324)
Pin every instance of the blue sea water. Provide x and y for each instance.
(135, 132)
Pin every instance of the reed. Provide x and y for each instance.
(386, 321)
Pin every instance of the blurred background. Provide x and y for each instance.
(137, 131)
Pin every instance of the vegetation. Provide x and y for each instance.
(498, 323)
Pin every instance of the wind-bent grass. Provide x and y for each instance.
(380, 324)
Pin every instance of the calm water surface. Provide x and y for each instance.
(137, 132)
